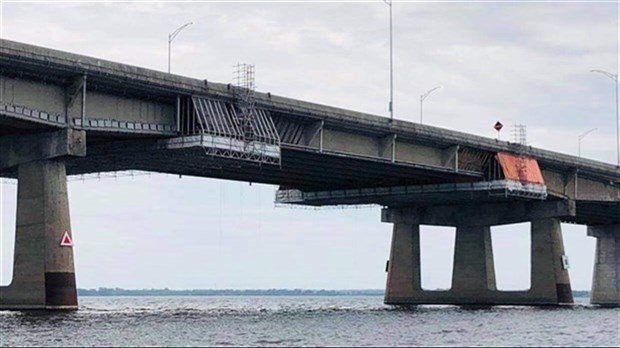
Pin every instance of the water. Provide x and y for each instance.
(305, 321)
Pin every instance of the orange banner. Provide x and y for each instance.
(520, 168)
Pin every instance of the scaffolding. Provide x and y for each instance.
(519, 137)
(246, 103)
(234, 129)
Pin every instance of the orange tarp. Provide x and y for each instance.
(520, 168)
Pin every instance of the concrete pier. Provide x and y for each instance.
(473, 272)
(606, 276)
(550, 281)
(473, 279)
(403, 279)
(43, 272)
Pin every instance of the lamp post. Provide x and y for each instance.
(171, 37)
(391, 105)
(581, 138)
(423, 96)
(615, 78)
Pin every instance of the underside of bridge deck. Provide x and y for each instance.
(300, 168)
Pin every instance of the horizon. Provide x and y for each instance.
(256, 289)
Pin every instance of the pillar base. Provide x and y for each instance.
(490, 298)
(43, 272)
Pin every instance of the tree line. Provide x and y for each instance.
(250, 292)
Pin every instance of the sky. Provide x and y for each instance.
(516, 62)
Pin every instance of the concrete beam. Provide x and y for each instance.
(450, 157)
(473, 214)
(604, 231)
(572, 185)
(387, 147)
(73, 90)
(20, 149)
(591, 190)
(311, 132)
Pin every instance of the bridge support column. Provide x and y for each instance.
(473, 272)
(473, 278)
(550, 282)
(606, 277)
(43, 272)
(403, 280)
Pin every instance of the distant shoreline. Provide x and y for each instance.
(102, 292)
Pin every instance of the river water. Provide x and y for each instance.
(305, 321)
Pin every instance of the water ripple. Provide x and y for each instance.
(304, 321)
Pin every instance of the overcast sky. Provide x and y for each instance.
(521, 62)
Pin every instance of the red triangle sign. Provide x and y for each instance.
(66, 240)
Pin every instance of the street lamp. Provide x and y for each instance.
(615, 78)
(391, 105)
(581, 137)
(171, 37)
(423, 96)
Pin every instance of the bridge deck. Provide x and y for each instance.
(52, 66)
(357, 147)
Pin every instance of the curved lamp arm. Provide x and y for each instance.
(423, 96)
(586, 133)
(608, 74)
(176, 32)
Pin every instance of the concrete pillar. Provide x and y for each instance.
(473, 278)
(550, 282)
(43, 273)
(606, 277)
(403, 279)
(473, 273)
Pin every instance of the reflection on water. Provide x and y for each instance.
(305, 321)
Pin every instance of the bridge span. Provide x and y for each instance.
(66, 114)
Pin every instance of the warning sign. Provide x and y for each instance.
(66, 240)
(498, 126)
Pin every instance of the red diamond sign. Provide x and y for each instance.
(498, 126)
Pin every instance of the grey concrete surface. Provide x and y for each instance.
(20, 149)
(606, 276)
(473, 279)
(43, 273)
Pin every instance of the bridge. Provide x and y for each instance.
(66, 114)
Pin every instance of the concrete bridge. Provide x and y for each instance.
(65, 114)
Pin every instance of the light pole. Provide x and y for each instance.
(615, 78)
(391, 105)
(580, 138)
(423, 96)
(171, 37)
